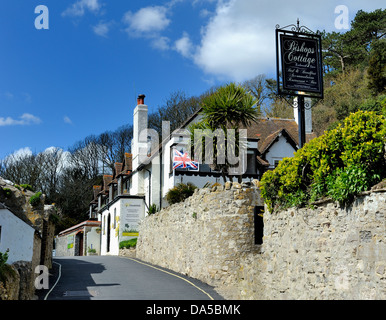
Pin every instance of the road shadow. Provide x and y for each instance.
(75, 279)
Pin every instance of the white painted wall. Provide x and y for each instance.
(17, 236)
(279, 150)
(93, 240)
(114, 245)
(128, 211)
(168, 179)
(104, 231)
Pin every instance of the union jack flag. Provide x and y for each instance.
(182, 160)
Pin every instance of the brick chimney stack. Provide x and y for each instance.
(141, 99)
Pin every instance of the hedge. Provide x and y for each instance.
(339, 164)
(180, 192)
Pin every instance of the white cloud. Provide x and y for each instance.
(146, 21)
(67, 120)
(205, 13)
(238, 41)
(161, 43)
(102, 29)
(184, 46)
(25, 119)
(78, 8)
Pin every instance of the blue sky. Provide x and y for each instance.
(83, 74)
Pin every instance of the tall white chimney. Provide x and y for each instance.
(139, 141)
(138, 144)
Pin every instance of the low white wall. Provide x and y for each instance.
(17, 236)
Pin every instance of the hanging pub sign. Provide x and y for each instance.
(299, 63)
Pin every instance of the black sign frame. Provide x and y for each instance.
(307, 48)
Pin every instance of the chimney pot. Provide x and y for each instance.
(141, 99)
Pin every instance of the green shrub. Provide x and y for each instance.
(152, 209)
(128, 243)
(35, 199)
(27, 187)
(377, 104)
(180, 192)
(3, 259)
(339, 164)
(5, 269)
(7, 192)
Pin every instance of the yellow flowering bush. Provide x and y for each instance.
(339, 164)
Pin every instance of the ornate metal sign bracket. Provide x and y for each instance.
(297, 28)
(299, 69)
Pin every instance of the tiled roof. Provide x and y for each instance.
(87, 223)
(106, 180)
(267, 130)
(127, 165)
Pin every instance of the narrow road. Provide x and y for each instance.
(116, 278)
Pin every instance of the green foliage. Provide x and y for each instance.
(343, 184)
(3, 259)
(35, 199)
(5, 269)
(7, 192)
(354, 47)
(377, 68)
(55, 219)
(128, 243)
(377, 104)
(354, 68)
(339, 164)
(348, 92)
(152, 209)
(180, 192)
(27, 187)
(229, 106)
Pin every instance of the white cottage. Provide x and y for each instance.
(79, 240)
(148, 172)
(18, 235)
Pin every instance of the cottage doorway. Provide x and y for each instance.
(108, 233)
(79, 241)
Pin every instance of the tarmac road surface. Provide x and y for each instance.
(118, 278)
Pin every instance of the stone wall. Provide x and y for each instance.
(10, 284)
(203, 237)
(329, 252)
(63, 246)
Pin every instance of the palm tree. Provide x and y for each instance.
(229, 107)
